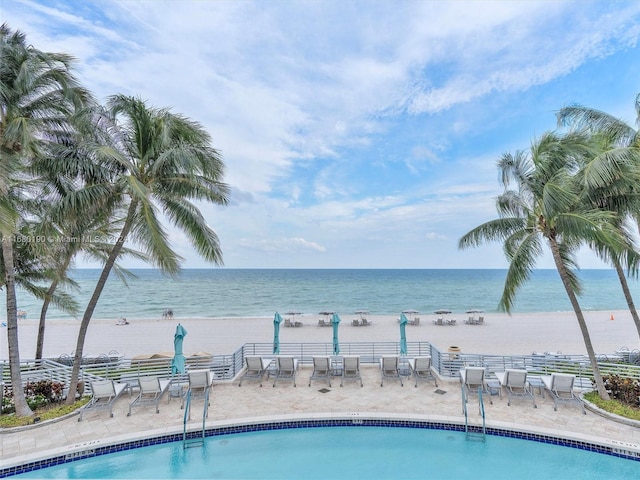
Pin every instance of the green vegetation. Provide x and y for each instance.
(46, 412)
(613, 406)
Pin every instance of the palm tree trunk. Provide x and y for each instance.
(602, 391)
(19, 399)
(102, 281)
(627, 294)
(45, 307)
(43, 319)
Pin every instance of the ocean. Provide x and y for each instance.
(214, 293)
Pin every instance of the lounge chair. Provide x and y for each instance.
(151, 391)
(256, 368)
(438, 321)
(351, 368)
(286, 367)
(104, 395)
(322, 323)
(421, 369)
(560, 386)
(415, 322)
(355, 322)
(472, 379)
(451, 321)
(199, 384)
(365, 323)
(480, 321)
(389, 368)
(321, 369)
(516, 384)
(287, 322)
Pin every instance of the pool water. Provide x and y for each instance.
(350, 453)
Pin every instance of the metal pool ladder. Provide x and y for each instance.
(474, 433)
(195, 441)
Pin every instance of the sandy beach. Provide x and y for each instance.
(501, 334)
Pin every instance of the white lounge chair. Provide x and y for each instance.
(256, 368)
(199, 384)
(321, 369)
(286, 367)
(151, 391)
(560, 386)
(516, 384)
(389, 368)
(351, 368)
(472, 379)
(421, 369)
(104, 395)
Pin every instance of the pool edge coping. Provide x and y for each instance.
(87, 449)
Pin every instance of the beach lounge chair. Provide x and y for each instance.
(151, 391)
(365, 323)
(104, 395)
(390, 368)
(321, 369)
(287, 322)
(256, 368)
(199, 384)
(421, 369)
(472, 379)
(286, 367)
(480, 321)
(322, 323)
(451, 321)
(415, 321)
(355, 322)
(560, 386)
(438, 321)
(516, 384)
(351, 368)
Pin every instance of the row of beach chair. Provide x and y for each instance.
(518, 384)
(515, 382)
(348, 368)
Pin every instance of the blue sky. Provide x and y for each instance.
(356, 134)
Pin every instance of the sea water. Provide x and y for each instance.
(227, 293)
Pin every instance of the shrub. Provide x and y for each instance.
(38, 394)
(623, 389)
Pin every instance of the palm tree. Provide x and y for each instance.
(160, 163)
(38, 92)
(545, 208)
(611, 179)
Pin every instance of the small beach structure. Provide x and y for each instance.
(335, 322)
(403, 334)
(178, 362)
(474, 318)
(277, 320)
(441, 320)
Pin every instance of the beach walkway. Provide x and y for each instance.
(251, 403)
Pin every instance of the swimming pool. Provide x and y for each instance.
(366, 450)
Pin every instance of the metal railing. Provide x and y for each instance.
(227, 367)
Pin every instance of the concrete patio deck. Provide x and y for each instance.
(250, 403)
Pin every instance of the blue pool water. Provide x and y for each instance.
(351, 453)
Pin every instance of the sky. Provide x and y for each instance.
(355, 134)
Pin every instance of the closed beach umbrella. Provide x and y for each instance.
(335, 321)
(403, 335)
(276, 332)
(178, 363)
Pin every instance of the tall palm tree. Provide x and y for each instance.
(160, 162)
(611, 179)
(38, 93)
(545, 208)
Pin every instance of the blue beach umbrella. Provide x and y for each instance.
(403, 335)
(335, 321)
(276, 333)
(178, 362)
